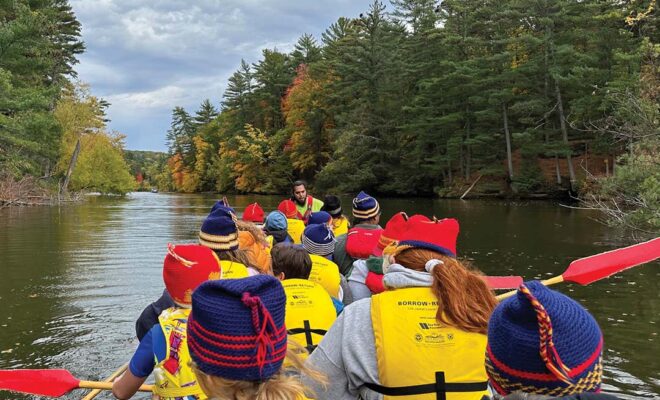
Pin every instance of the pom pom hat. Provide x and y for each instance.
(365, 206)
(253, 213)
(393, 231)
(288, 208)
(543, 342)
(186, 267)
(276, 221)
(435, 235)
(218, 231)
(236, 328)
(319, 217)
(318, 239)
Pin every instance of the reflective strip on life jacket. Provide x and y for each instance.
(309, 312)
(233, 270)
(174, 378)
(295, 227)
(420, 358)
(360, 242)
(325, 273)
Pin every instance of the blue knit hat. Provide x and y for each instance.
(543, 342)
(236, 328)
(365, 206)
(222, 203)
(318, 239)
(319, 217)
(219, 231)
(276, 221)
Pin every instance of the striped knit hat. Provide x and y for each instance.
(236, 328)
(318, 239)
(218, 231)
(185, 267)
(435, 235)
(543, 342)
(365, 206)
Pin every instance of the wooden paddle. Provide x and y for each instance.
(49, 382)
(594, 268)
(111, 378)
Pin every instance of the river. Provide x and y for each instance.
(74, 278)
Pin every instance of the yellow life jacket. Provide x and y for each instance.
(309, 312)
(271, 240)
(174, 378)
(419, 358)
(233, 270)
(325, 273)
(340, 225)
(295, 227)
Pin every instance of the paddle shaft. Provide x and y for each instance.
(111, 378)
(547, 282)
(108, 386)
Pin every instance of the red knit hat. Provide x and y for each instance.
(185, 268)
(435, 235)
(254, 213)
(288, 208)
(392, 232)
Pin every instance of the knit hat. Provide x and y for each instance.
(236, 328)
(218, 231)
(318, 239)
(222, 203)
(332, 205)
(185, 267)
(276, 221)
(288, 208)
(319, 217)
(436, 235)
(253, 213)
(365, 206)
(543, 342)
(392, 232)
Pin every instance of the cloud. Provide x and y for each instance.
(146, 57)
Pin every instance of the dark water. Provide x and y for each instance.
(73, 279)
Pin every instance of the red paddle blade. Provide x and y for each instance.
(503, 282)
(42, 382)
(590, 269)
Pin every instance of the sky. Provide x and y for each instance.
(145, 57)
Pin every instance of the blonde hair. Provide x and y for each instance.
(285, 385)
(464, 299)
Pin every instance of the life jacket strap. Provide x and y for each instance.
(440, 388)
(307, 330)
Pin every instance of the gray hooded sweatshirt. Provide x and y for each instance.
(347, 353)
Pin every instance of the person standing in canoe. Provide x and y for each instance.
(164, 350)
(305, 203)
(424, 336)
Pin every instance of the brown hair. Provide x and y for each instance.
(281, 386)
(258, 235)
(293, 261)
(464, 299)
(238, 256)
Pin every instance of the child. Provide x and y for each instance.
(238, 340)
(163, 349)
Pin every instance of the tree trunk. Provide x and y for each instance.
(564, 132)
(507, 136)
(72, 164)
(468, 158)
(557, 170)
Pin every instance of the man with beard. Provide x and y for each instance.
(305, 204)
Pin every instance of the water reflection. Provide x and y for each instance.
(75, 278)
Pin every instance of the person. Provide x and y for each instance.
(425, 335)
(163, 350)
(252, 241)
(276, 227)
(362, 238)
(319, 217)
(295, 226)
(318, 239)
(305, 203)
(219, 233)
(238, 341)
(310, 310)
(332, 205)
(367, 275)
(255, 214)
(545, 343)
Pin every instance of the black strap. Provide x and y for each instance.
(440, 387)
(307, 330)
